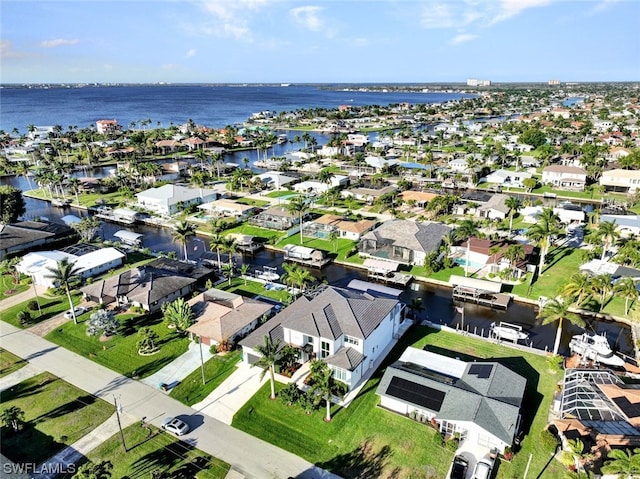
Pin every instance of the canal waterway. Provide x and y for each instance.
(436, 299)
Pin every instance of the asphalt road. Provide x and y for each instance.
(248, 455)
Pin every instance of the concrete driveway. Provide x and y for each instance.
(179, 368)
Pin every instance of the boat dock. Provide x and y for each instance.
(314, 263)
(390, 278)
(483, 298)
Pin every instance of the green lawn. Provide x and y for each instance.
(50, 306)
(364, 438)
(442, 275)
(260, 234)
(9, 288)
(341, 248)
(150, 450)
(252, 202)
(254, 288)
(86, 199)
(57, 415)
(217, 369)
(120, 352)
(9, 362)
(281, 193)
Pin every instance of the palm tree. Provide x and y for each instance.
(623, 461)
(182, 232)
(297, 276)
(601, 285)
(514, 204)
(229, 247)
(178, 314)
(333, 238)
(557, 310)
(298, 205)
(548, 225)
(464, 231)
(607, 231)
(626, 288)
(217, 242)
(268, 357)
(227, 271)
(74, 184)
(65, 275)
(323, 383)
(325, 175)
(578, 288)
(244, 269)
(13, 417)
(415, 306)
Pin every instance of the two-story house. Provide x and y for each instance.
(625, 181)
(347, 328)
(565, 177)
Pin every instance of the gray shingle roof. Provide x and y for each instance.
(346, 358)
(492, 402)
(416, 236)
(329, 314)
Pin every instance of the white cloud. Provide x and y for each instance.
(308, 17)
(511, 8)
(191, 53)
(58, 42)
(438, 15)
(7, 51)
(232, 17)
(602, 6)
(462, 38)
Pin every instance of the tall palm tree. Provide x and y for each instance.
(514, 204)
(602, 286)
(297, 276)
(65, 275)
(182, 232)
(229, 247)
(74, 184)
(548, 225)
(578, 288)
(464, 231)
(557, 310)
(298, 205)
(623, 462)
(626, 288)
(217, 242)
(607, 232)
(268, 357)
(323, 383)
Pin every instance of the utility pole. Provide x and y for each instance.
(115, 402)
(35, 290)
(201, 359)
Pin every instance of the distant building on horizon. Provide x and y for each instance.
(476, 82)
(553, 82)
(107, 126)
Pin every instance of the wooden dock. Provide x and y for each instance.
(390, 278)
(492, 300)
(313, 263)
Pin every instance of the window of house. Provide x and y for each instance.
(325, 349)
(350, 340)
(340, 374)
(308, 340)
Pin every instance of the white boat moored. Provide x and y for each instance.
(509, 331)
(595, 348)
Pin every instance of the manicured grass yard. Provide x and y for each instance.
(9, 362)
(51, 306)
(120, 352)
(366, 441)
(252, 202)
(9, 288)
(57, 415)
(151, 450)
(254, 288)
(280, 193)
(260, 234)
(217, 369)
(342, 247)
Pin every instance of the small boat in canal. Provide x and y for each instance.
(508, 331)
(595, 348)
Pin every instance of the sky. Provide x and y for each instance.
(318, 41)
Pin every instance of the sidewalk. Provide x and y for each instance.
(9, 301)
(232, 394)
(16, 377)
(179, 368)
(83, 446)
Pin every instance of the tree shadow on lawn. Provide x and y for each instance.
(66, 408)
(532, 398)
(362, 462)
(151, 367)
(131, 325)
(26, 388)
(29, 445)
(555, 256)
(163, 458)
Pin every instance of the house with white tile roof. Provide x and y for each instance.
(565, 177)
(625, 181)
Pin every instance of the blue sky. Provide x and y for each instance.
(252, 41)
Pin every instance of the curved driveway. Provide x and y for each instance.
(248, 455)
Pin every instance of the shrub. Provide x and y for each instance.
(102, 322)
(24, 317)
(548, 440)
(438, 438)
(33, 305)
(290, 395)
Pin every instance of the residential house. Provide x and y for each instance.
(507, 178)
(565, 177)
(624, 181)
(150, 286)
(403, 241)
(617, 153)
(488, 256)
(225, 207)
(566, 212)
(479, 401)
(107, 126)
(275, 180)
(28, 235)
(627, 225)
(89, 260)
(223, 316)
(318, 187)
(169, 199)
(275, 218)
(419, 198)
(495, 208)
(349, 329)
(368, 195)
(344, 228)
(597, 403)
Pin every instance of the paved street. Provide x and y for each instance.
(251, 457)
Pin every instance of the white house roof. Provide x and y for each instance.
(174, 193)
(128, 235)
(276, 178)
(435, 362)
(37, 262)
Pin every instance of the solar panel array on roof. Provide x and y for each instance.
(427, 373)
(617, 428)
(483, 371)
(629, 409)
(416, 393)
